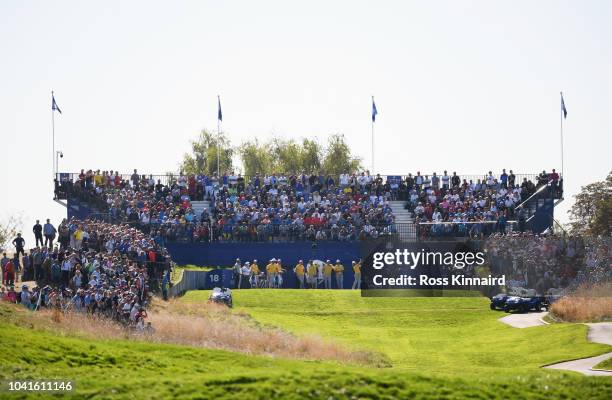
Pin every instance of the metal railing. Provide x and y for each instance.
(473, 229)
(170, 178)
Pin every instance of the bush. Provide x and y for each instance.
(589, 303)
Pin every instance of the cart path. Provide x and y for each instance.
(526, 320)
(600, 332)
(584, 365)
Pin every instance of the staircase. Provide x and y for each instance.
(406, 227)
(538, 210)
(199, 206)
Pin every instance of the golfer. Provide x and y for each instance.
(299, 273)
(271, 272)
(357, 270)
(328, 269)
(339, 269)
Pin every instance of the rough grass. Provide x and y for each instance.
(586, 304)
(207, 326)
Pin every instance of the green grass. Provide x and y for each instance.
(446, 336)
(606, 364)
(441, 348)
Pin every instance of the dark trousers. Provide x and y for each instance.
(38, 272)
(19, 250)
(65, 277)
(49, 240)
(39, 238)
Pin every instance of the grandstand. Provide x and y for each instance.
(200, 213)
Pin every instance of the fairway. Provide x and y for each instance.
(446, 336)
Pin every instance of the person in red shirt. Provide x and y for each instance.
(152, 256)
(9, 273)
(553, 177)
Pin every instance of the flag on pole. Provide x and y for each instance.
(54, 104)
(219, 114)
(563, 109)
(374, 111)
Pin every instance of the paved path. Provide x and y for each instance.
(584, 365)
(526, 320)
(600, 332)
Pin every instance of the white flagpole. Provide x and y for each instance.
(373, 116)
(562, 111)
(218, 137)
(53, 135)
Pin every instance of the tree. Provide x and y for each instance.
(203, 157)
(281, 156)
(256, 157)
(288, 156)
(311, 156)
(9, 229)
(338, 157)
(592, 211)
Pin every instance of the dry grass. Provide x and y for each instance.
(208, 326)
(587, 304)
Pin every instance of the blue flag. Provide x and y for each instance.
(374, 111)
(219, 114)
(563, 109)
(54, 104)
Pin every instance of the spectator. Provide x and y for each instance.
(49, 231)
(38, 235)
(19, 244)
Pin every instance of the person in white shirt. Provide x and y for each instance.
(437, 216)
(344, 180)
(134, 312)
(445, 181)
(490, 179)
(245, 273)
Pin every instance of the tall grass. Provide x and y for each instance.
(588, 303)
(208, 326)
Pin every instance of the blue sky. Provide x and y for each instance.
(469, 86)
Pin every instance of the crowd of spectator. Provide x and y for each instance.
(450, 206)
(97, 268)
(301, 207)
(545, 262)
(312, 207)
(296, 207)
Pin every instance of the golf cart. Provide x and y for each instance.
(221, 296)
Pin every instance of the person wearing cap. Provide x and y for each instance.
(254, 274)
(339, 270)
(278, 282)
(299, 273)
(328, 268)
(271, 272)
(245, 273)
(26, 296)
(311, 271)
(357, 271)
